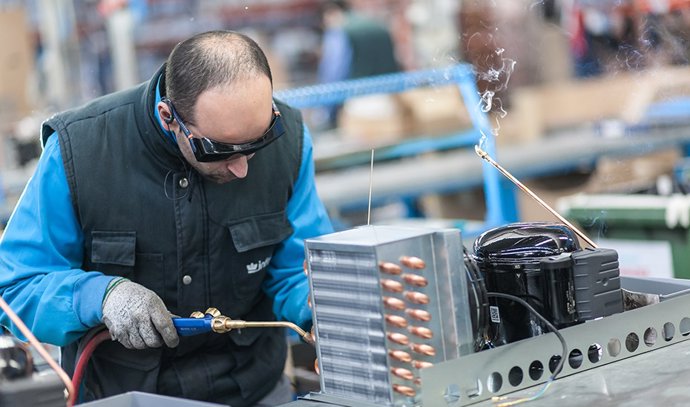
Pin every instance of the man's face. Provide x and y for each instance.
(235, 114)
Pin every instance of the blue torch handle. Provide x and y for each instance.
(192, 326)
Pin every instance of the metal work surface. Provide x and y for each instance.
(139, 399)
(650, 371)
(657, 378)
(526, 363)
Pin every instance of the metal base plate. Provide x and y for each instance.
(506, 369)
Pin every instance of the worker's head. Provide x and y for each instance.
(333, 12)
(219, 103)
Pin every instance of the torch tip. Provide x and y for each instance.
(479, 151)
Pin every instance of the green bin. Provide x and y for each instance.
(643, 225)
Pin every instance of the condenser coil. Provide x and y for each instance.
(387, 301)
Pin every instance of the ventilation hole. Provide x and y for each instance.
(536, 369)
(632, 341)
(650, 336)
(553, 362)
(515, 376)
(594, 352)
(614, 347)
(575, 358)
(669, 331)
(684, 326)
(494, 382)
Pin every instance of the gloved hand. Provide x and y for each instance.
(137, 317)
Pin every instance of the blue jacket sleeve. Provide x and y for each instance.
(41, 252)
(286, 281)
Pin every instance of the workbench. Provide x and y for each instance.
(652, 370)
(658, 378)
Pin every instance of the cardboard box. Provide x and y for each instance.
(375, 120)
(16, 64)
(536, 110)
(436, 110)
(611, 175)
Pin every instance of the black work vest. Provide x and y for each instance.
(148, 217)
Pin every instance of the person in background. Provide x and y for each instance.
(353, 46)
(192, 190)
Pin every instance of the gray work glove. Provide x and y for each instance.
(137, 317)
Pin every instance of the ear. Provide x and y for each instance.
(165, 113)
(168, 119)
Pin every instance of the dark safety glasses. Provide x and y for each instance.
(206, 150)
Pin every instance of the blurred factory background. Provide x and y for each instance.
(586, 101)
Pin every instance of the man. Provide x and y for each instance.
(353, 46)
(191, 190)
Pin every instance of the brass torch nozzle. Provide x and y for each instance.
(223, 324)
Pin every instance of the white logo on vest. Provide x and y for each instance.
(256, 267)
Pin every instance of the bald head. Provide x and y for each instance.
(209, 60)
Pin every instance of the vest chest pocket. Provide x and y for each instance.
(115, 253)
(255, 240)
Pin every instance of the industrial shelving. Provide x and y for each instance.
(500, 200)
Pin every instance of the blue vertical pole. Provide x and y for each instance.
(501, 205)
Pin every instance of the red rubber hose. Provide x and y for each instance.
(84, 359)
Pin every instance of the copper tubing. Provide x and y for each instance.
(402, 373)
(393, 303)
(416, 297)
(415, 280)
(400, 355)
(392, 286)
(418, 314)
(404, 390)
(396, 321)
(398, 338)
(38, 346)
(390, 268)
(484, 155)
(412, 262)
(418, 364)
(427, 350)
(421, 332)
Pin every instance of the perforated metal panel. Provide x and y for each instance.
(529, 362)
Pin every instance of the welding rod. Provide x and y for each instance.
(483, 154)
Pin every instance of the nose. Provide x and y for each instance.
(238, 166)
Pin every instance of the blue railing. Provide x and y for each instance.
(500, 197)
